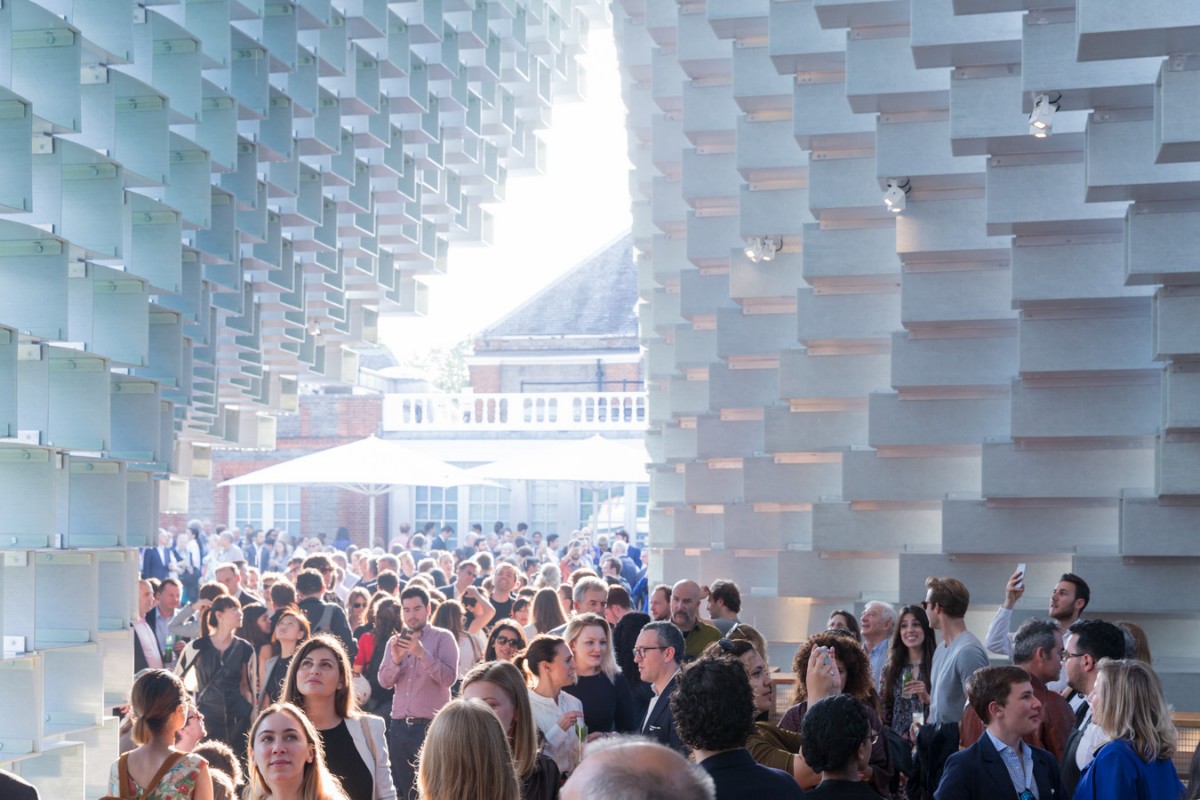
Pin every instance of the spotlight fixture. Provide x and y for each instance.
(770, 248)
(1041, 119)
(753, 248)
(896, 196)
(762, 248)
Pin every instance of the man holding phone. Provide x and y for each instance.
(1068, 600)
(421, 666)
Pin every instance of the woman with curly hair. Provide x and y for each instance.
(853, 679)
(836, 738)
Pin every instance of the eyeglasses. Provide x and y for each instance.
(504, 641)
(1068, 656)
(726, 645)
(640, 652)
(358, 605)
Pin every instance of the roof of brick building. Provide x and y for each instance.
(595, 298)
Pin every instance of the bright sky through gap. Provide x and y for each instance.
(547, 224)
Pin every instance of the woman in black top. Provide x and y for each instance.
(355, 745)
(291, 629)
(222, 663)
(608, 705)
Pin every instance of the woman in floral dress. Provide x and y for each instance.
(155, 770)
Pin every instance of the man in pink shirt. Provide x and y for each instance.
(421, 665)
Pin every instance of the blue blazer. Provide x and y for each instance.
(978, 773)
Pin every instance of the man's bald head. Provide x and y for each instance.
(634, 768)
(685, 605)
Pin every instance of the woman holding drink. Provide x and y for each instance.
(904, 687)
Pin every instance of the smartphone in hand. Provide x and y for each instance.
(1020, 584)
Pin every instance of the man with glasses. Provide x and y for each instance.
(656, 653)
(959, 654)
(464, 576)
(1087, 642)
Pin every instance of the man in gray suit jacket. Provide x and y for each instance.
(657, 652)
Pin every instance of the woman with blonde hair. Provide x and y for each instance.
(287, 758)
(1138, 760)
(466, 755)
(547, 612)
(356, 608)
(155, 767)
(356, 752)
(501, 686)
(608, 705)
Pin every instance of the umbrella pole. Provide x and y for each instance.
(371, 521)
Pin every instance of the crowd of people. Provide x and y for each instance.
(516, 666)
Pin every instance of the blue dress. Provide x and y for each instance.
(1117, 773)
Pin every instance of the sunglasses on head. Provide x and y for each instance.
(504, 641)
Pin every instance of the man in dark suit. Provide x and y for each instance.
(1087, 641)
(13, 788)
(157, 561)
(656, 653)
(713, 712)
(1000, 766)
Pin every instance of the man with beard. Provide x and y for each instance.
(1068, 600)
(685, 613)
(421, 665)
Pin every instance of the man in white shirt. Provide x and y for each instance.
(877, 623)
(657, 652)
(1068, 600)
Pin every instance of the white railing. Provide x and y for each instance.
(514, 411)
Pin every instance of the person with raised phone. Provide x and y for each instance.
(422, 665)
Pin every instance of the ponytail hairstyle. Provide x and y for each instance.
(208, 620)
(542, 650)
(156, 696)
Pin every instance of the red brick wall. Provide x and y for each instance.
(485, 378)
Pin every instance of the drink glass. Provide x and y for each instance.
(918, 718)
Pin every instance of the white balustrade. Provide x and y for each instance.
(515, 411)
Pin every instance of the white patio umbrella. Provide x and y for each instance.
(370, 466)
(592, 460)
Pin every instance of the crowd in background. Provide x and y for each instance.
(499, 664)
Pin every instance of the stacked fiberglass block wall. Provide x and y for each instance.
(1005, 371)
(203, 204)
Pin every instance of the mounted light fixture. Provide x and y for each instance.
(896, 196)
(762, 248)
(753, 248)
(770, 248)
(1041, 119)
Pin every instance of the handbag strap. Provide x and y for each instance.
(123, 775)
(169, 762)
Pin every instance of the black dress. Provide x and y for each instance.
(344, 762)
(607, 704)
(545, 781)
